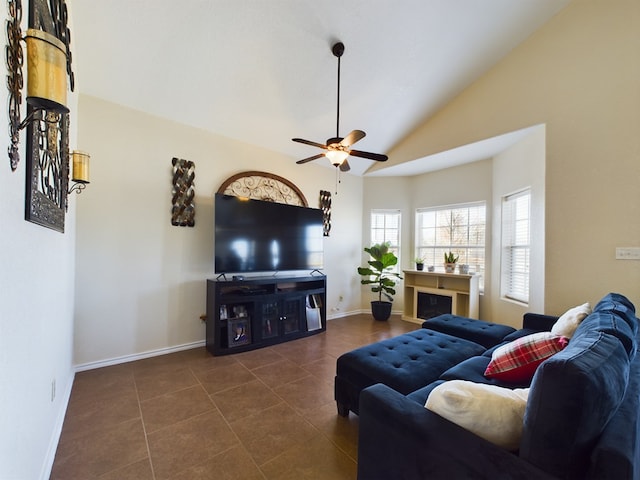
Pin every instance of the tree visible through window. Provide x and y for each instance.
(385, 227)
(516, 222)
(459, 229)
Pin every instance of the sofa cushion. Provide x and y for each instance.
(615, 315)
(473, 370)
(620, 306)
(573, 396)
(491, 412)
(517, 361)
(486, 334)
(568, 322)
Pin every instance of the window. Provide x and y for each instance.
(385, 227)
(516, 223)
(459, 228)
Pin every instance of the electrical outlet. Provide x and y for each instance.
(628, 253)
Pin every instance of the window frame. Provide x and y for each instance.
(437, 249)
(515, 252)
(375, 239)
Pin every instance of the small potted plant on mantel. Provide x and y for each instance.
(419, 263)
(381, 279)
(450, 260)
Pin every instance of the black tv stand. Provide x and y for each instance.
(253, 313)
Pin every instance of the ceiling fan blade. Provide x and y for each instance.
(305, 160)
(352, 138)
(378, 157)
(309, 142)
(344, 166)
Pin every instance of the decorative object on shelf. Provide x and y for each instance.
(48, 65)
(431, 268)
(325, 206)
(263, 186)
(463, 268)
(419, 263)
(238, 331)
(382, 280)
(183, 211)
(450, 260)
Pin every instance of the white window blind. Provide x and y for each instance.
(516, 226)
(385, 227)
(459, 229)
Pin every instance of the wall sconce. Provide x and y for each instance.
(48, 64)
(80, 172)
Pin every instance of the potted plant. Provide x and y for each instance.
(381, 279)
(450, 260)
(419, 263)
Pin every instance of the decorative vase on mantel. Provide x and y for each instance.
(419, 266)
(450, 267)
(450, 260)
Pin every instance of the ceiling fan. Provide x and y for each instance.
(339, 148)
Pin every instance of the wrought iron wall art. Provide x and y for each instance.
(263, 186)
(183, 211)
(48, 66)
(15, 80)
(47, 169)
(325, 206)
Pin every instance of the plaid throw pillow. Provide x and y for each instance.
(516, 362)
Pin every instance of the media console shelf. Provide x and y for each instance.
(247, 314)
(427, 294)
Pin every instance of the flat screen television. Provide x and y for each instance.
(261, 236)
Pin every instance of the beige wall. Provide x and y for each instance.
(141, 281)
(580, 76)
(37, 268)
(519, 167)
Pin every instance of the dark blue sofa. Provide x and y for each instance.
(581, 419)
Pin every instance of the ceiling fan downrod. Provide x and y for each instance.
(338, 50)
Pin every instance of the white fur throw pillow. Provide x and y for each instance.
(491, 412)
(567, 324)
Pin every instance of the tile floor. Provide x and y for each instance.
(266, 414)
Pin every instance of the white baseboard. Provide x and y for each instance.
(57, 431)
(137, 356)
(363, 311)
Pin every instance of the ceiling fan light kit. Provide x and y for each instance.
(338, 148)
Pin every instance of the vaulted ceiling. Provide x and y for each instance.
(262, 71)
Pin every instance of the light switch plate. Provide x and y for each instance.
(628, 253)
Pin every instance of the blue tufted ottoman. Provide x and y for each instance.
(486, 334)
(405, 363)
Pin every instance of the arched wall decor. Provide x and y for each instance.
(263, 186)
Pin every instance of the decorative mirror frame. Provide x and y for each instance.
(263, 186)
(47, 169)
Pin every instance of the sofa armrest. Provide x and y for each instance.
(400, 439)
(538, 322)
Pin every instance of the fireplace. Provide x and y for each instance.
(431, 305)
